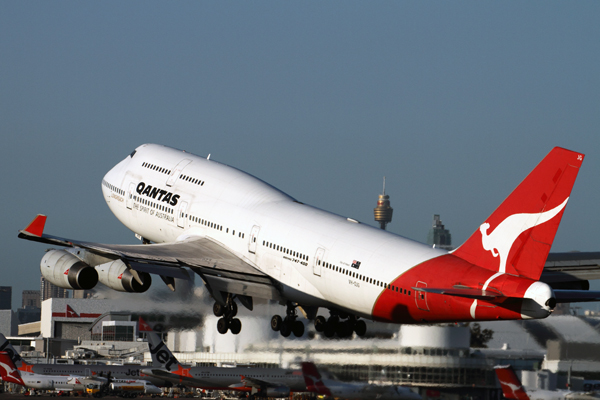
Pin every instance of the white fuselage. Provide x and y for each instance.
(309, 251)
(52, 382)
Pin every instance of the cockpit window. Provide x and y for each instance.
(132, 153)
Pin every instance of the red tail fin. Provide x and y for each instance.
(143, 326)
(517, 237)
(510, 383)
(313, 379)
(8, 371)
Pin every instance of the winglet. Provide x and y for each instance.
(36, 227)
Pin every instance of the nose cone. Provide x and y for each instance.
(113, 183)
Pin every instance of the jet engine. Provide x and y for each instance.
(118, 276)
(67, 271)
(277, 391)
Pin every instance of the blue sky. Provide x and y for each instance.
(454, 102)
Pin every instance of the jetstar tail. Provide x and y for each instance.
(517, 237)
(162, 357)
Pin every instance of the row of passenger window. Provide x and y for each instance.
(157, 168)
(285, 250)
(191, 180)
(212, 225)
(153, 204)
(113, 188)
(363, 278)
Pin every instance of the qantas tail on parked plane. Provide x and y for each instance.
(14, 355)
(510, 383)
(8, 371)
(517, 237)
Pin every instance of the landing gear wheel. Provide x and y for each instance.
(344, 329)
(320, 322)
(298, 328)
(222, 326)
(233, 310)
(360, 327)
(286, 329)
(235, 326)
(330, 328)
(218, 310)
(276, 323)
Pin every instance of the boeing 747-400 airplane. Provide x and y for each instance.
(247, 239)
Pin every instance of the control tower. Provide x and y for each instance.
(383, 212)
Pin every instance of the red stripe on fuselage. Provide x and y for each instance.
(445, 272)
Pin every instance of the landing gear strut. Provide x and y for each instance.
(227, 312)
(341, 324)
(289, 324)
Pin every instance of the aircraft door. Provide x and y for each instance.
(318, 261)
(253, 239)
(130, 195)
(421, 297)
(182, 214)
(177, 171)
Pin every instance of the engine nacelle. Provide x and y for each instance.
(277, 391)
(67, 271)
(116, 275)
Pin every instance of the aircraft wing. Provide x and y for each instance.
(220, 269)
(256, 383)
(177, 379)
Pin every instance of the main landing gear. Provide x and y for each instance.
(227, 313)
(289, 324)
(341, 324)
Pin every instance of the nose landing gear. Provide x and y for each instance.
(289, 324)
(227, 313)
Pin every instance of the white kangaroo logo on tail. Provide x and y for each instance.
(501, 240)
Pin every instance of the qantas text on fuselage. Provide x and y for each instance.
(247, 239)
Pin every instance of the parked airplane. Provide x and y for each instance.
(77, 383)
(512, 388)
(246, 239)
(266, 382)
(118, 373)
(325, 384)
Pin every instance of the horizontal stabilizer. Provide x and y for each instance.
(576, 296)
(465, 292)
